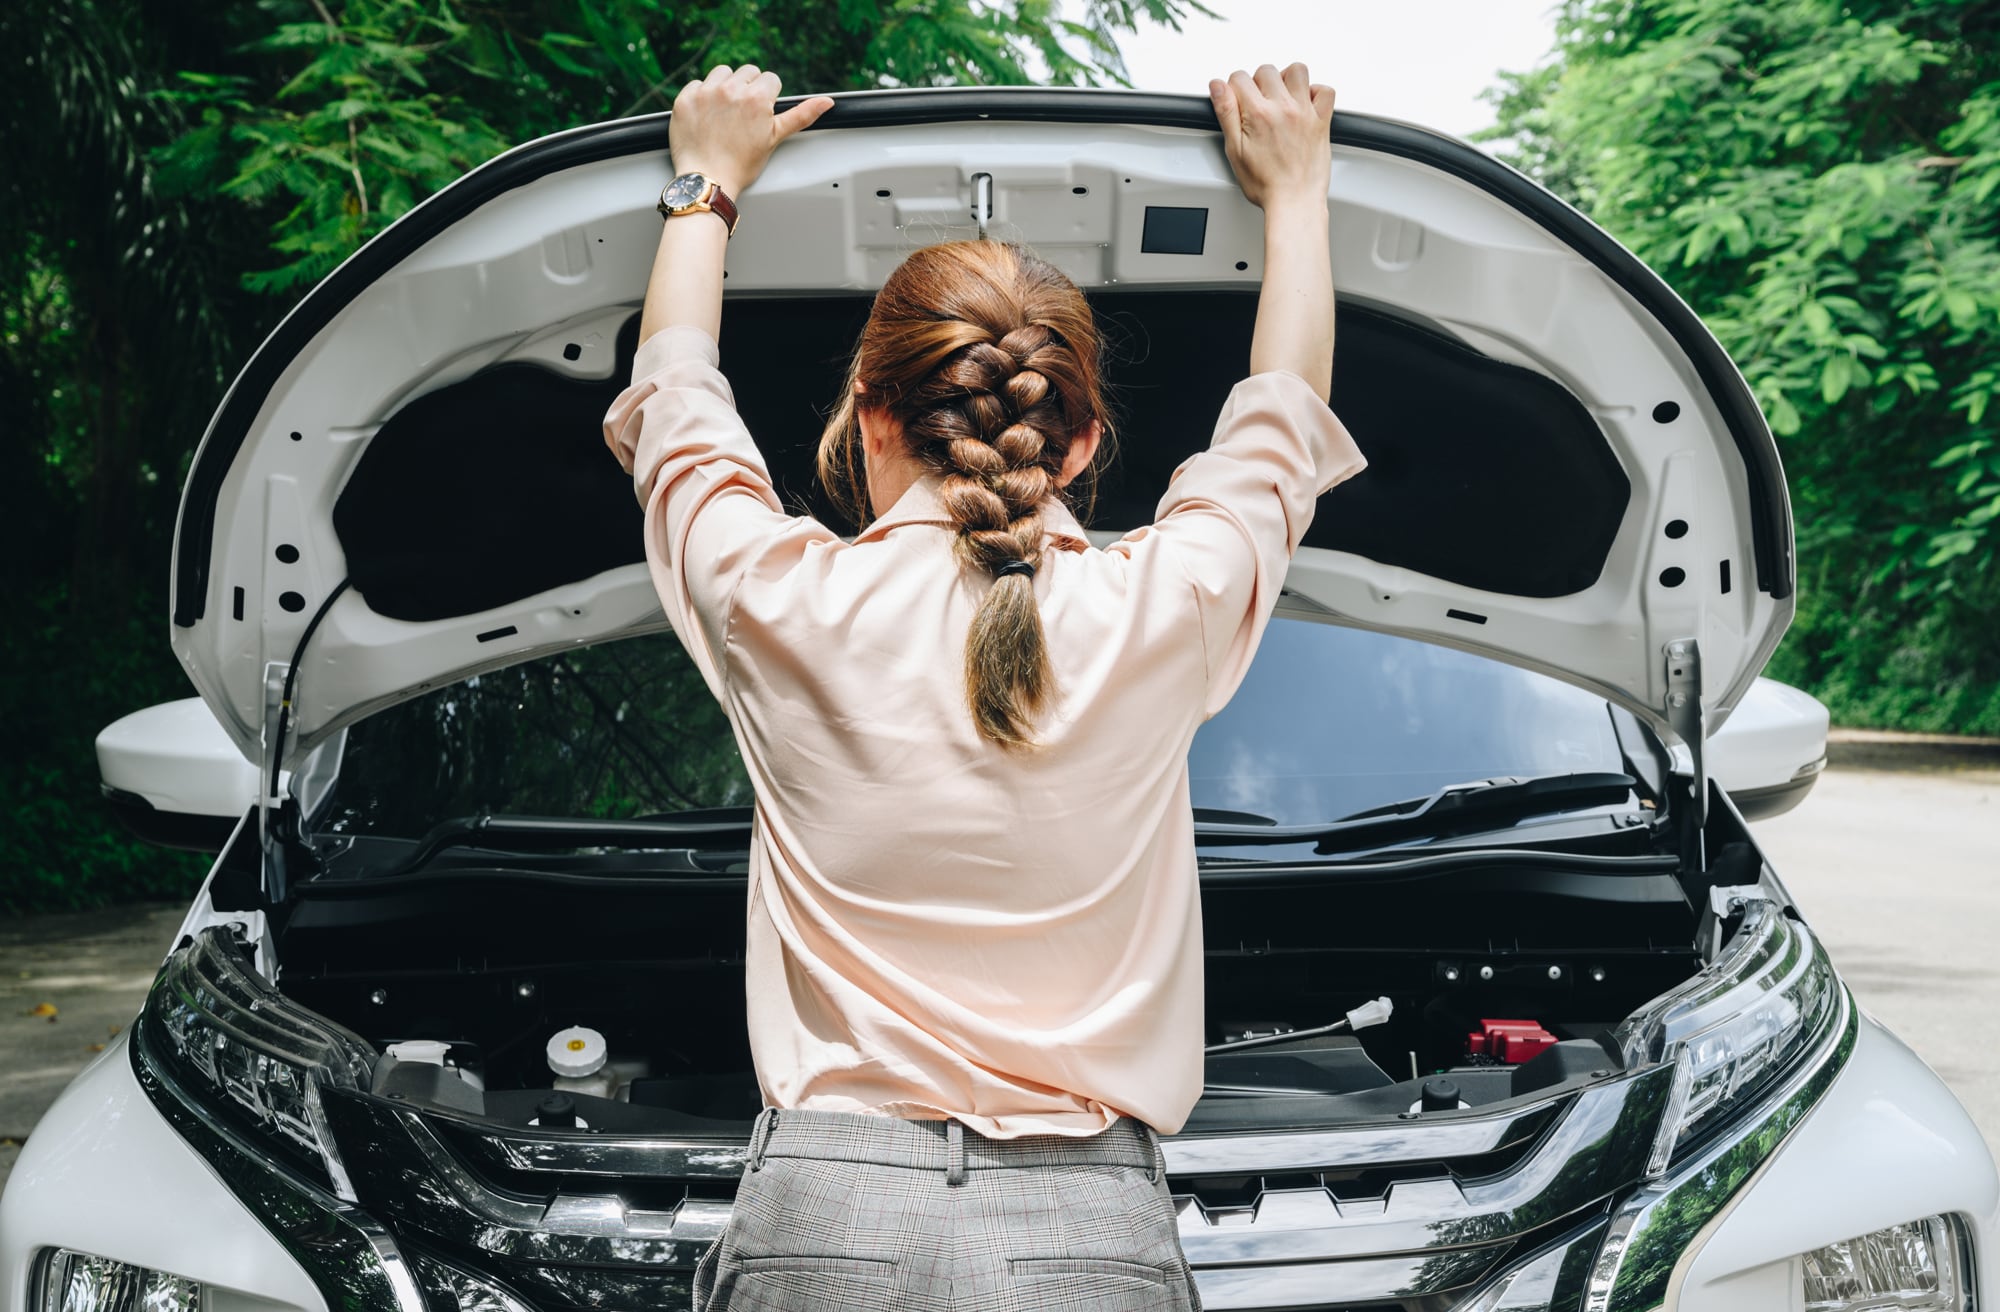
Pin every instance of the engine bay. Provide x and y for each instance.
(1500, 985)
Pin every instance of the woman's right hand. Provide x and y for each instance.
(1274, 129)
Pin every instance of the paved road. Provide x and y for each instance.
(1899, 872)
(93, 968)
(1894, 859)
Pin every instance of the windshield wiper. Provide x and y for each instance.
(542, 833)
(1473, 807)
(1215, 815)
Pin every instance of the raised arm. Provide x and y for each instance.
(1235, 513)
(1274, 128)
(724, 129)
(711, 513)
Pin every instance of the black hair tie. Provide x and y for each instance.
(1014, 567)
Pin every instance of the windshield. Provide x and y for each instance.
(615, 730)
(1333, 721)
(1330, 721)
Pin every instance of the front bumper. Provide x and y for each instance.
(134, 1172)
(1887, 1143)
(105, 1173)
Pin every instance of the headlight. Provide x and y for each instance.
(251, 1055)
(77, 1282)
(1919, 1266)
(1736, 1027)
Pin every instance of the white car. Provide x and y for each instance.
(471, 799)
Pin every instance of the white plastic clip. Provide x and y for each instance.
(1370, 1013)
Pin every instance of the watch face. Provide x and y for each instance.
(683, 191)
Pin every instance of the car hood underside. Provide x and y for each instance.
(406, 484)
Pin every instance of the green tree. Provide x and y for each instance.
(118, 307)
(340, 122)
(176, 172)
(1821, 180)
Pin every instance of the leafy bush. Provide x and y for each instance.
(59, 847)
(1821, 180)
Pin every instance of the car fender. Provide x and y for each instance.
(1887, 1143)
(103, 1173)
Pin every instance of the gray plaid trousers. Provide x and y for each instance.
(844, 1211)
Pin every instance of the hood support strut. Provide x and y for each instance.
(278, 823)
(270, 778)
(1687, 719)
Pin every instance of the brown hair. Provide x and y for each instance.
(987, 356)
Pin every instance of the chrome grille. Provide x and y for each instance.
(1408, 1216)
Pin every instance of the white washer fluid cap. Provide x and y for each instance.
(577, 1051)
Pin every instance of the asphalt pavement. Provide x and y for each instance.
(68, 984)
(1894, 859)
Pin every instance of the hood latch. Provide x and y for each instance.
(982, 202)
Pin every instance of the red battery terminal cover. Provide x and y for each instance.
(1511, 1041)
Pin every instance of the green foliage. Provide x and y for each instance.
(97, 269)
(59, 849)
(1821, 181)
(352, 140)
(338, 123)
(174, 172)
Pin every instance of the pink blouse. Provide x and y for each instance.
(939, 927)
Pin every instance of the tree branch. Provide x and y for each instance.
(689, 65)
(354, 165)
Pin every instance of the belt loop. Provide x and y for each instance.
(954, 1153)
(1152, 1138)
(760, 1136)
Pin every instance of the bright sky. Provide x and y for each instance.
(1421, 60)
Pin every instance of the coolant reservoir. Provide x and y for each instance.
(577, 1057)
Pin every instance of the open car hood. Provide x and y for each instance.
(407, 484)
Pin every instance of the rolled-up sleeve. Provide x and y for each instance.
(1234, 514)
(711, 511)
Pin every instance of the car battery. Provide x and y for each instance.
(1509, 1041)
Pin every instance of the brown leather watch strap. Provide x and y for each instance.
(724, 207)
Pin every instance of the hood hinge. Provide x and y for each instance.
(1722, 904)
(1689, 722)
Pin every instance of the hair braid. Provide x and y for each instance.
(987, 355)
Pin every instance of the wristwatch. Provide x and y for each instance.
(691, 193)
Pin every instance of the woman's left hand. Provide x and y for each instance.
(724, 129)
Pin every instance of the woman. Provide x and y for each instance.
(974, 952)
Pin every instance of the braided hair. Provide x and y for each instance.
(987, 358)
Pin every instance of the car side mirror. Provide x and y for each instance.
(1769, 753)
(173, 776)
